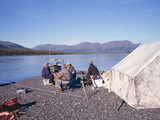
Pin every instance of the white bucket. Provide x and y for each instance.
(45, 82)
(98, 82)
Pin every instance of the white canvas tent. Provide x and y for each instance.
(136, 79)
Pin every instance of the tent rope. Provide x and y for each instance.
(41, 89)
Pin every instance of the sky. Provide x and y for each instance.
(36, 22)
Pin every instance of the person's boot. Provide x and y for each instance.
(50, 84)
(59, 90)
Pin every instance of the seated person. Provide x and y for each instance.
(46, 73)
(63, 77)
(63, 66)
(92, 70)
(72, 70)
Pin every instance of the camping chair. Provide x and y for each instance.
(67, 86)
(73, 74)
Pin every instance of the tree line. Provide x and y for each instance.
(28, 52)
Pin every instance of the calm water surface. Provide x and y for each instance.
(15, 68)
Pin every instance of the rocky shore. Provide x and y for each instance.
(71, 104)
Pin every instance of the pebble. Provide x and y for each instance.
(50, 106)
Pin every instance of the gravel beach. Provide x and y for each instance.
(71, 104)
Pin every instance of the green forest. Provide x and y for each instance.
(8, 52)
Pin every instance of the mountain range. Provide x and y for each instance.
(84, 47)
(10, 45)
(88, 47)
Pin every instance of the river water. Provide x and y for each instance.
(15, 68)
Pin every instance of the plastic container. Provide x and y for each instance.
(22, 90)
(98, 82)
(45, 82)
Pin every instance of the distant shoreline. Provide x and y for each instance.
(22, 52)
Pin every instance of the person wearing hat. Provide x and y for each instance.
(63, 66)
(92, 70)
(72, 70)
(46, 73)
(62, 78)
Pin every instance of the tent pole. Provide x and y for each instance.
(115, 107)
(84, 89)
(93, 83)
(120, 104)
